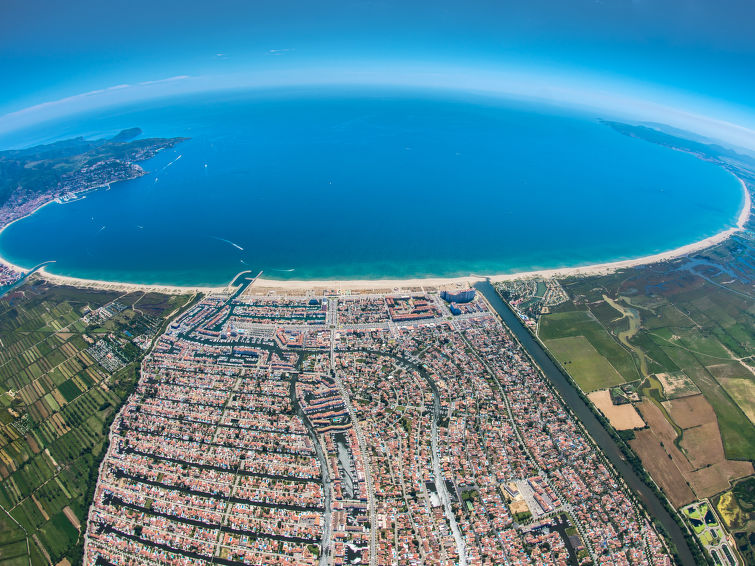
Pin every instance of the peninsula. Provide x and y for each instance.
(33, 177)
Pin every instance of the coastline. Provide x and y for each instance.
(263, 284)
(80, 194)
(4, 261)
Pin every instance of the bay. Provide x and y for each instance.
(351, 184)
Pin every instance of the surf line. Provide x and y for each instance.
(228, 242)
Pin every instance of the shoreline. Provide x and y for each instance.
(393, 284)
(80, 194)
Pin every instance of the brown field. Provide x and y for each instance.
(58, 397)
(60, 426)
(32, 443)
(41, 509)
(691, 411)
(43, 409)
(657, 422)
(701, 447)
(701, 462)
(621, 417)
(656, 462)
(677, 384)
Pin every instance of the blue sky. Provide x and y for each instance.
(692, 57)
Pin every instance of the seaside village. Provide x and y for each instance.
(9, 275)
(354, 429)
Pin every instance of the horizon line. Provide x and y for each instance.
(617, 99)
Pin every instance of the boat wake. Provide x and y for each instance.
(228, 242)
(171, 163)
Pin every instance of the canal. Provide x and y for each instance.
(590, 422)
(5, 290)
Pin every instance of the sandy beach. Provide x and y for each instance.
(595, 269)
(262, 285)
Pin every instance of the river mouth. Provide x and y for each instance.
(396, 184)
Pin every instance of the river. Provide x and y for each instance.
(7, 289)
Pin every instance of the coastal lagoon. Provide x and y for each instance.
(313, 184)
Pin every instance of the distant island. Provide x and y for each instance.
(30, 178)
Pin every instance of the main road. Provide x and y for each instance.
(599, 434)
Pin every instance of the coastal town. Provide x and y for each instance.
(64, 172)
(356, 428)
(377, 283)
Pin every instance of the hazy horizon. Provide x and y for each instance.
(688, 61)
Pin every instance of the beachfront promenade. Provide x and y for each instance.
(363, 429)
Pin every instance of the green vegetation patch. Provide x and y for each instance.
(741, 390)
(69, 390)
(54, 414)
(737, 506)
(584, 363)
(582, 323)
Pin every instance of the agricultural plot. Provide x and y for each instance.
(694, 331)
(738, 382)
(583, 323)
(621, 417)
(676, 385)
(685, 329)
(56, 402)
(590, 370)
(688, 462)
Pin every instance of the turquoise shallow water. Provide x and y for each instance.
(355, 185)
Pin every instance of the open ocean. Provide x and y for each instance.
(358, 185)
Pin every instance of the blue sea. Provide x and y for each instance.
(355, 184)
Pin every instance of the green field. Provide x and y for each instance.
(56, 403)
(583, 323)
(678, 318)
(583, 362)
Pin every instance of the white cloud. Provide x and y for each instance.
(168, 80)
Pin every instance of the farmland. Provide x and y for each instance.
(584, 323)
(621, 417)
(68, 359)
(689, 467)
(680, 334)
(591, 370)
(695, 334)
